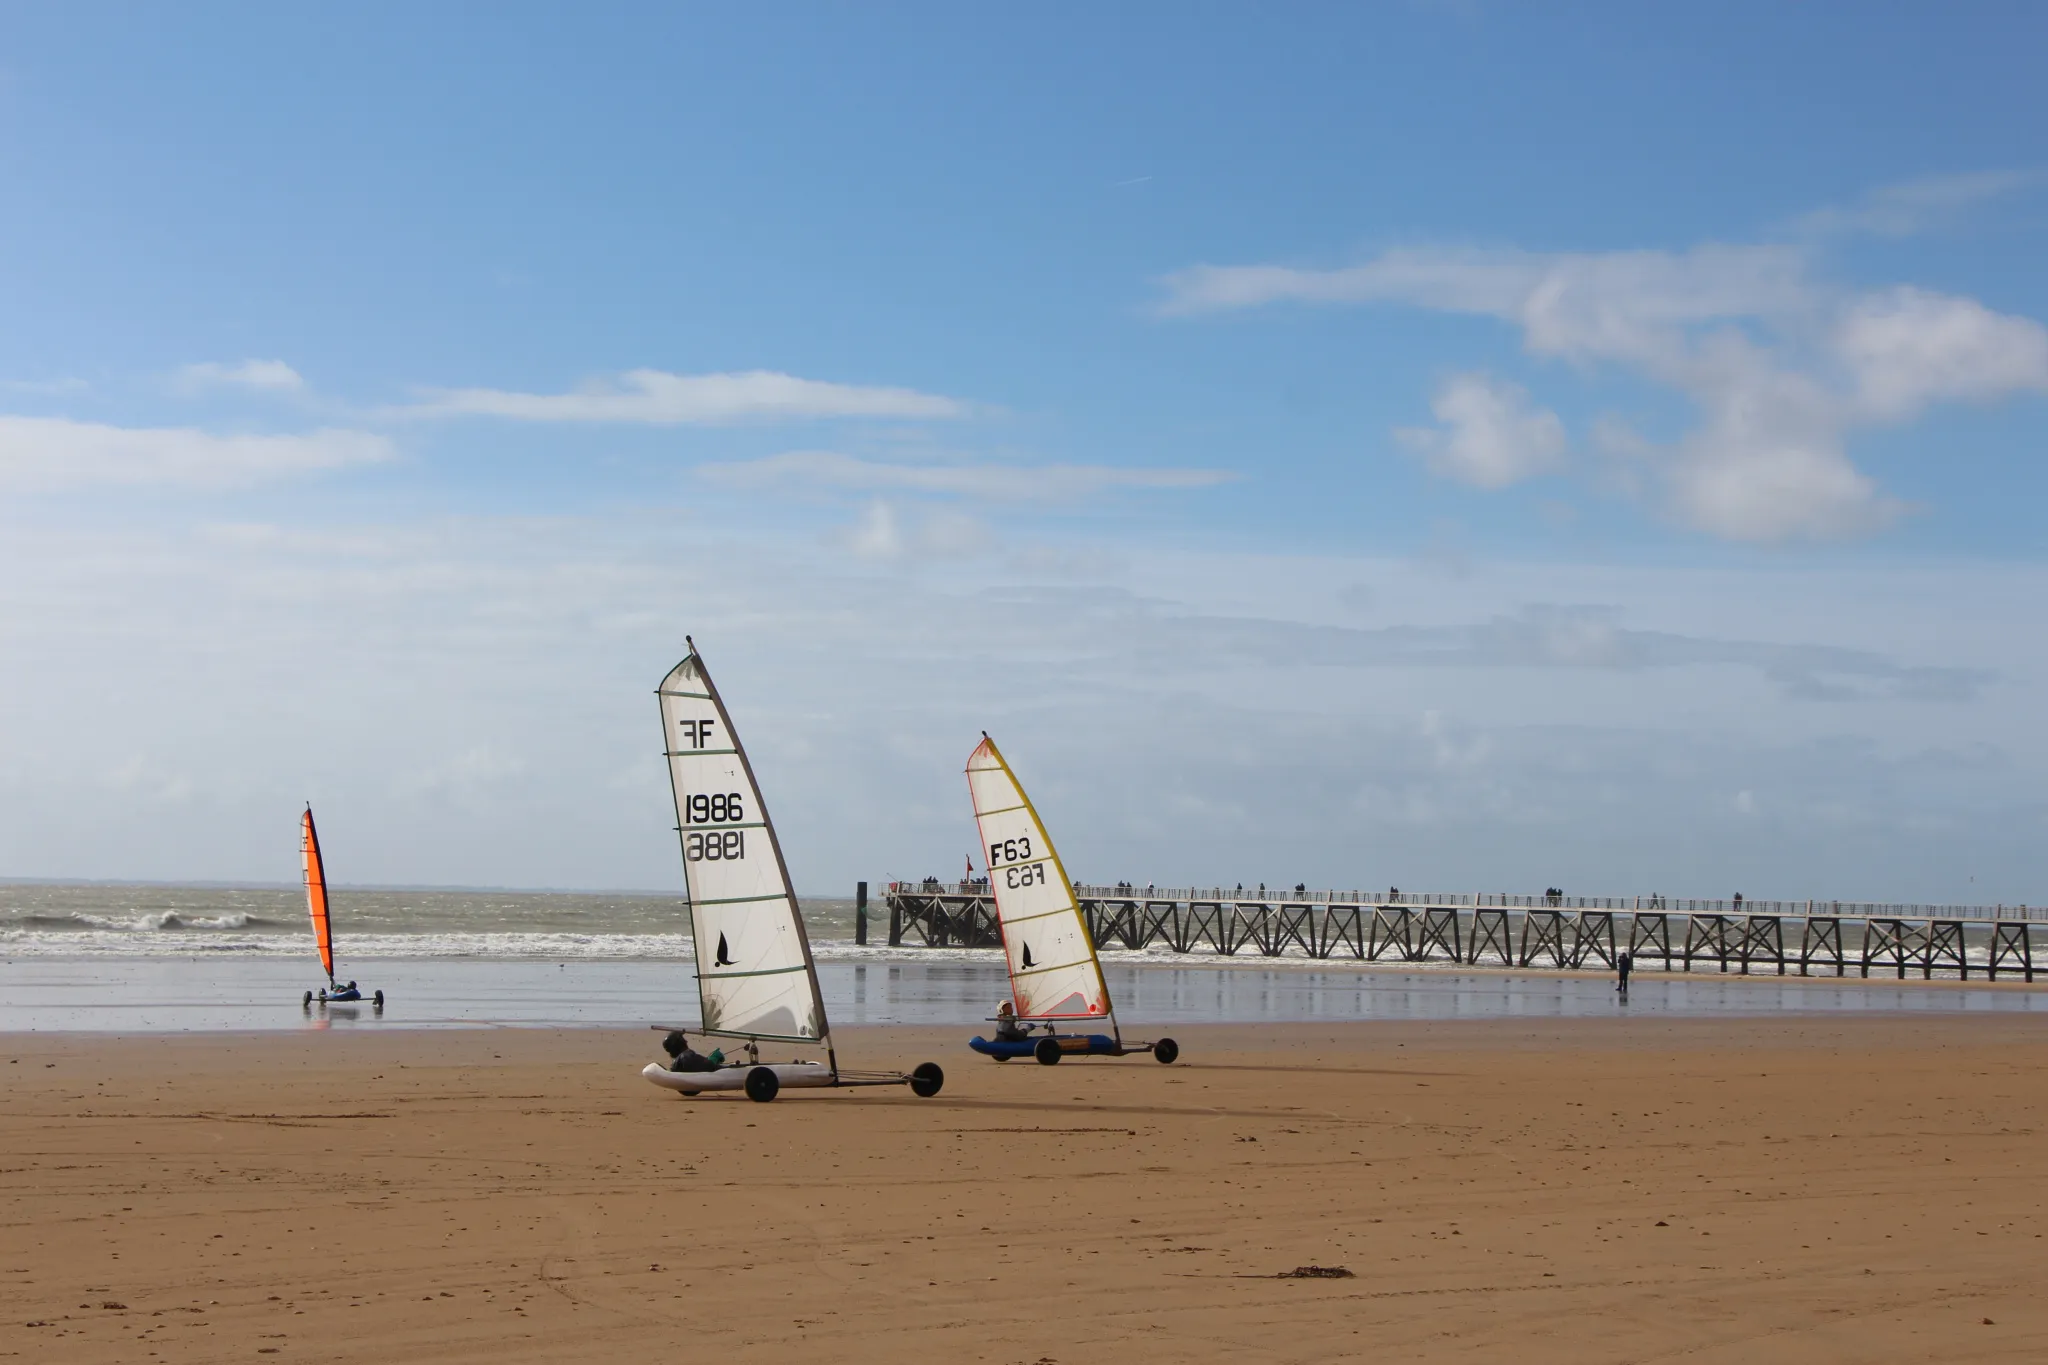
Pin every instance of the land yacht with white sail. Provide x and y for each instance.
(1055, 975)
(756, 979)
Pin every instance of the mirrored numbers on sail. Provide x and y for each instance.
(698, 737)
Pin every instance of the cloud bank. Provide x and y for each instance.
(48, 453)
(273, 376)
(658, 398)
(994, 483)
(1780, 367)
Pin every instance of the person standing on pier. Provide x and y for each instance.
(1623, 965)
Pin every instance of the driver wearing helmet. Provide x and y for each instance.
(1008, 1030)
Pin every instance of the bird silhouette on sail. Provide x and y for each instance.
(1027, 956)
(724, 956)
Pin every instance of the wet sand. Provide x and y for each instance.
(1801, 1189)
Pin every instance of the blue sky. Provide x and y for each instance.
(1444, 444)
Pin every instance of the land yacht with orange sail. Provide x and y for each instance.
(334, 992)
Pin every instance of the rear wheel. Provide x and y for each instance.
(379, 998)
(1047, 1052)
(1166, 1050)
(926, 1080)
(307, 1003)
(762, 1084)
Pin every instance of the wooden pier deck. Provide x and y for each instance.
(1484, 930)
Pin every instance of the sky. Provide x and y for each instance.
(1461, 446)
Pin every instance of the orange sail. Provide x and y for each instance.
(316, 894)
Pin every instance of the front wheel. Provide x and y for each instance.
(1047, 1052)
(1166, 1050)
(926, 1080)
(762, 1084)
(307, 1003)
(379, 998)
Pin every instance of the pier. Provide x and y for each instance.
(1834, 938)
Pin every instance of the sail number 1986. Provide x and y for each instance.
(717, 845)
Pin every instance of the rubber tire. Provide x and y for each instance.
(379, 998)
(307, 1003)
(1166, 1051)
(926, 1080)
(1047, 1052)
(762, 1084)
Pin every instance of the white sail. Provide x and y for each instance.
(1054, 973)
(755, 977)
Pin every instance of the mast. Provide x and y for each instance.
(756, 976)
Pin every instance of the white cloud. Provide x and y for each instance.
(1491, 436)
(50, 452)
(270, 375)
(999, 483)
(1907, 348)
(660, 398)
(1569, 303)
(1915, 206)
(1780, 368)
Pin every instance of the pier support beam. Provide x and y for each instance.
(1543, 932)
(1344, 927)
(1709, 936)
(1392, 925)
(1593, 937)
(1490, 935)
(2012, 942)
(1649, 936)
(1821, 941)
(1762, 939)
(1440, 930)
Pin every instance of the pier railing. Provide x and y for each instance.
(1485, 929)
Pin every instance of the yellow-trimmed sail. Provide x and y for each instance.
(1054, 973)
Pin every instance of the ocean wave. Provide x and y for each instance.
(126, 941)
(160, 921)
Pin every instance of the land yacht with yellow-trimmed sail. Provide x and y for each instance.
(1056, 981)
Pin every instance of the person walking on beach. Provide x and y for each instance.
(1623, 965)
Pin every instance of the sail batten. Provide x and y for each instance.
(316, 892)
(1054, 972)
(743, 911)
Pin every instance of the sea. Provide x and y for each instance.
(98, 957)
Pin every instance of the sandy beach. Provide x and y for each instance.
(1631, 1190)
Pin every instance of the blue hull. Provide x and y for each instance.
(1071, 1045)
